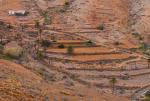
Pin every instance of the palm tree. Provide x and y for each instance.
(38, 27)
(112, 82)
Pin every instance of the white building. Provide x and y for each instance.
(17, 13)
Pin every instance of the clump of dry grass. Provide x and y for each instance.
(13, 50)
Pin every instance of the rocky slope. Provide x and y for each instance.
(140, 13)
(83, 17)
(18, 83)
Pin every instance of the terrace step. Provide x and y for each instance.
(108, 74)
(90, 58)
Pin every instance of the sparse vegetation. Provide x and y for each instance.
(66, 3)
(1, 48)
(62, 10)
(36, 24)
(143, 47)
(101, 27)
(9, 26)
(46, 43)
(90, 43)
(61, 46)
(112, 82)
(148, 62)
(46, 16)
(70, 50)
(40, 55)
(117, 43)
(74, 47)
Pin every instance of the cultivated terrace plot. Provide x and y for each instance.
(81, 50)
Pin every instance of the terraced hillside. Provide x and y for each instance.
(83, 18)
(71, 47)
(19, 83)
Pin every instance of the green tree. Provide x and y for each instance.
(45, 44)
(112, 82)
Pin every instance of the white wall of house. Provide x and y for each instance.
(12, 13)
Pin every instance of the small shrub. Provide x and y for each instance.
(61, 46)
(40, 55)
(117, 43)
(46, 43)
(9, 26)
(101, 27)
(70, 50)
(89, 43)
(133, 49)
(62, 10)
(67, 3)
(36, 24)
(53, 38)
(143, 47)
(141, 38)
(1, 48)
